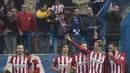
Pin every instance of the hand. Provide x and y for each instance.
(110, 54)
(4, 70)
(21, 33)
(95, 27)
(59, 70)
(68, 37)
(95, 35)
(8, 30)
(5, 32)
(56, 18)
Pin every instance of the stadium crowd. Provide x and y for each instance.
(41, 27)
(37, 28)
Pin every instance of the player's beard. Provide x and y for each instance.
(20, 53)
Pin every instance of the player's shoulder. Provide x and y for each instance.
(123, 54)
(34, 60)
(57, 57)
(14, 56)
(70, 57)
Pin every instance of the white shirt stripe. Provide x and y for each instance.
(18, 64)
(14, 64)
(84, 57)
(62, 68)
(25, 68)
(21, 64)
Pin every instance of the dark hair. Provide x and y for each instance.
(100, 43)
(113, 43)
(20, 45)
(62, 45)
(26, 53)
(82, 43)
(88, 7)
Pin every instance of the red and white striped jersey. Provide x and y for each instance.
(81, 62)
(20, 64)
(62, 63)
(96, 62)
(58, 8)
(117, 63)
(99, 1)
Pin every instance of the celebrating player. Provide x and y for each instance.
(80, 61)
(97, 60)
(62, 61)
(116, 59)
(19, 63)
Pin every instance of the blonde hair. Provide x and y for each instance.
(100, 43)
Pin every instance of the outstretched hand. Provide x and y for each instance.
(68, 37)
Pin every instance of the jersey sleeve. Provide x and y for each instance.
(11, 60)
(36, 66)
(120, 60)
(85, 51)
(28, 61)
(55, 61)
(73, 61)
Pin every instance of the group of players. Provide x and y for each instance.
(90, 61)
(86, 61)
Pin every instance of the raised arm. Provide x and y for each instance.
(85, 51)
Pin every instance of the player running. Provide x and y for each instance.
(62, 61)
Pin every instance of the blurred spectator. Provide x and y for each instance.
(113, 27)
(97, 5)
(18, 4)
(11, 29)
(81, 5)
(26, 25)
(69, 18)
(43, 27)
(76, 25)
(31, 5)
(1, 38)
(58, 7)
(90, 26)
(60, 28)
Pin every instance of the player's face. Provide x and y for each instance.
(96, 46)
(65, 49)
(111, 47)
(84, 46)
(20, 49)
